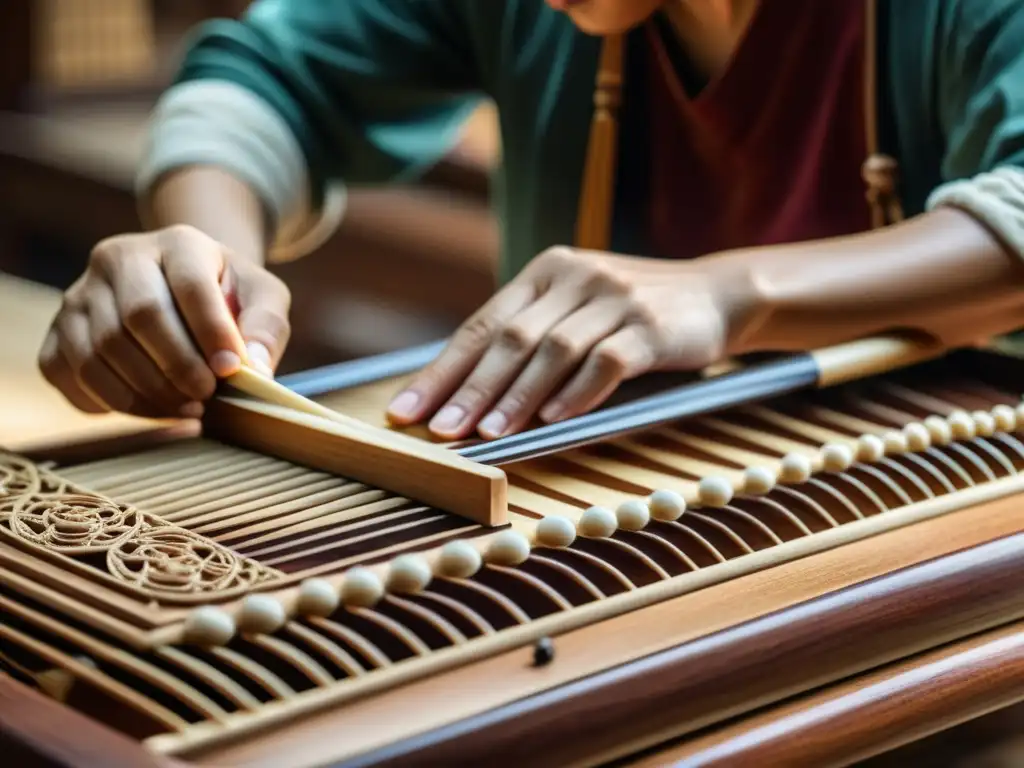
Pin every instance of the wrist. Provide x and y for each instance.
(214, 202)
(743, 299)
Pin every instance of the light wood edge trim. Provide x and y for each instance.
(309, 703)
(840, 724)
(869, 357)
(403, 465)
(103, 620)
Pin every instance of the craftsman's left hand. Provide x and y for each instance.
(566, 332)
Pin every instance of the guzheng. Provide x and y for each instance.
(581, 592)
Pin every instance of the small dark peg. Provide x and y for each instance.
(543, 652)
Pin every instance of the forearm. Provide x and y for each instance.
(214, 202)
(942, 274)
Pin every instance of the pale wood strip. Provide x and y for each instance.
(571, 573)
(408, 638)
(479, 622)
(813, 432)
(406, 466)
(263, 677)
(191, 698)
(641, 476)
(514, 612)
(778, 443)
(275, 562)
(807, 501)
(583, 491)
(973, 459)
(635, 554)
(889, 414)
(608, 568)
(668, 546)
(120, 468)
(449, 631)
(337, 566)
(346, 634)
(209, 674)
(95, 678)
(540, 505)
(729, 533)
(697, 539)
(318, 519)
(266, 503)
(216, 485)
(723, 450)
(533, 582)
(160, 485)
(330, 650)
(299, 660)
(983, 444)
(931, 403)
(685, 464)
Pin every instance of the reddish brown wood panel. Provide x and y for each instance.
(36, 732)
(871, 715)
(736, 671)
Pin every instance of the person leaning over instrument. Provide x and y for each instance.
(733, 158)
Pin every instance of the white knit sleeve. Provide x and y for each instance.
(995, 198)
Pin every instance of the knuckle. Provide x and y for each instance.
(517, 338)
(477, 330)
(179, 234)
(611, 361)
(557, 256)
(472, 393)
(194, 375)
(607, 281)
(560, 346)
(140, 317)
(109, 344)
(644, 315)
(107, 254)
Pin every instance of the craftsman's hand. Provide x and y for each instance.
(156, 318)
(562, 336)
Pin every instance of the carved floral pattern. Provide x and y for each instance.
(42, 509)
(176, 560)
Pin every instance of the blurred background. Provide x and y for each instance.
(77, 80)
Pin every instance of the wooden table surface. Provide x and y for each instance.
(32, 413)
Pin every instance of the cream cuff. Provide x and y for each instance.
(212, 122)
(995, 198)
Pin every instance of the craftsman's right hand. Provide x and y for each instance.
(157, 318)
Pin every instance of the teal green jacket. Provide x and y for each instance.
(376, 91)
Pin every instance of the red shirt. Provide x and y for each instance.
(770, 152)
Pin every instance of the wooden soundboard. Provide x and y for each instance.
(229, 605)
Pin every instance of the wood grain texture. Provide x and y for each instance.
(737, 670)
(416, 469)
(36, 732)
(870, 715)
(329, 736)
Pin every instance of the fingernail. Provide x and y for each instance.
(448, 418)
(494, 424)
(191, 411)
(404, 405)
(551, 412)
(225, 363)
(259, 358)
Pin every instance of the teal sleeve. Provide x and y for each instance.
(980, 86)
(373, 90)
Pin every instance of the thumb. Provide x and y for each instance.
(263, 302)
